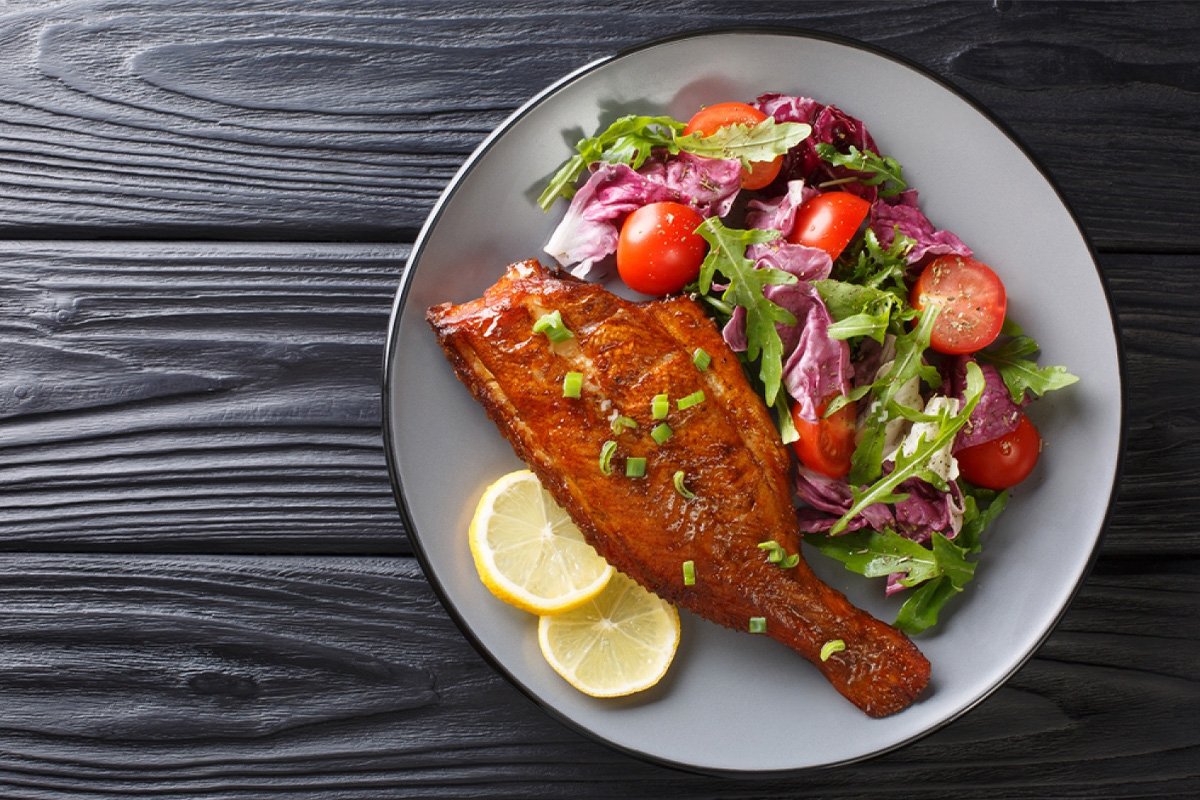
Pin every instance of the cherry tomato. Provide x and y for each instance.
(710, 119)
(972, 301)
(1002, 462)
(829, 221)
(659, 251)
(825, 446)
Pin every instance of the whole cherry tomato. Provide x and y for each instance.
(659, 251)
(1002, 462)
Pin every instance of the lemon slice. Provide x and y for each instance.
(619, 643)
(528, 551)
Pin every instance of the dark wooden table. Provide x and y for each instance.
(205, 589)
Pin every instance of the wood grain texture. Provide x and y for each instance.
(268, 119)
(193, 397)
(256, 677)
(207, 396)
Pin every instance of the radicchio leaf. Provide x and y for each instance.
(590, 229)
(996, 414)
(902, 214)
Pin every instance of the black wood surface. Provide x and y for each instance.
(344, 120)
(205, 590)
(257, 677)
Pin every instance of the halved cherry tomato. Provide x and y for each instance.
(825, 446)
(829, 221)
(659, 251)
(1002, 462)
(710, 119)
(972, 301)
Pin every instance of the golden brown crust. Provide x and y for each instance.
(727, 448)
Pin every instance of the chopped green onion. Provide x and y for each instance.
(635, 467)
(774, 551)
(606, 454)
(689, 573)
(758, 624)
(776, 554)
(693, 399)
(687, 493)
(621, 424)
(552, 325)
(572, 384)
(831, 647)
(659, 406)
(661, 433)
(701, 359)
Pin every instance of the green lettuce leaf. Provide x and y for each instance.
(858, 310)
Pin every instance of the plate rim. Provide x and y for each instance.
(389, 419)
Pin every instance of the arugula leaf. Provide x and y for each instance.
(920, 610)
(628, 140)
(876, 266)
(976, 519)
(872, 325)
(783, 413)
(1021, 374)
(877, 554)
(952, 561)
(939, 572)
(909, 360)
(883, 172)
(852, 396)
(866, 463)
(1011, 328)
(913, 465)
(847, 299)
(747, 143)
(727, 256)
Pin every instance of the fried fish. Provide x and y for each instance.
(716, 479)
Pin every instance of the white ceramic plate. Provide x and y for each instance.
(734, 702)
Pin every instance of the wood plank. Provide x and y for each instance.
(207, 397)
(344, 120)
(1158, 319)
(255, 677)
(189, 394)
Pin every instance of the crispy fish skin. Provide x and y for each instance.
(726, 446)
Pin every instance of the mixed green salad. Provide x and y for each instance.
(881, 343)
